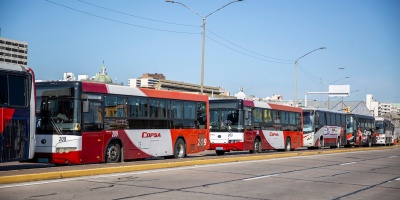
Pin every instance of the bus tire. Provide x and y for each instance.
(321, 143)
(180, 148)
(337, 144)
(113, 153)
(288, 145)
(256, 146)
(220, 152)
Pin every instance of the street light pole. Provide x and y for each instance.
(204, 35)
(295, 74)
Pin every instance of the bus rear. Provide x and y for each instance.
(17, 112)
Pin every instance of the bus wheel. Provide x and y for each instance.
(180, 148)
(321, 143)
(337, 144)
(113, 152)
(220, 152)
(256, 146)
(288, 145)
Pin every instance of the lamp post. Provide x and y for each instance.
(204, 34)
(295, 74)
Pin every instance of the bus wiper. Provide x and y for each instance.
(227, 127)
(56, 127)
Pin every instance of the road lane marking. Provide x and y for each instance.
(259, 177)
(393, 157)
(348, 163)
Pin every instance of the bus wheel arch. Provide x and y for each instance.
(114, 151)
(180, 148)
(257, 148)
(321, 142)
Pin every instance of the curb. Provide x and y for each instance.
(201, 161)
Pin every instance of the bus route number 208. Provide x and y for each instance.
(62, 139)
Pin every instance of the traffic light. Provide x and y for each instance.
(347, 110)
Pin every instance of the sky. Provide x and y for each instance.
(251, 44)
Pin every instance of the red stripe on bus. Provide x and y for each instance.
(6, 116)
(174, 95)
(94, 87)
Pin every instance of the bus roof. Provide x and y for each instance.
(260, 104)
(13, 67)
(103, 88)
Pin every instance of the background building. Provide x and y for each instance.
(159, 82)
(13, 51)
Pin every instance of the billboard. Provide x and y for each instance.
(339, 90)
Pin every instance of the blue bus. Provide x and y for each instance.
(17, 112)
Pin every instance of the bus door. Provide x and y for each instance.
(93, 140)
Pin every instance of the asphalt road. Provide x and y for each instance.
(373, 174)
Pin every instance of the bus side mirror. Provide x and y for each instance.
(246, 114)
(85, 106)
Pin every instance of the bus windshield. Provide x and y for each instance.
(379, 127)
(226, 120)
(308, 121)
(57, 111)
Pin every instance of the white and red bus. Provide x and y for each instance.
(241, 125)
(88, 122)
(17, 112)
(384, 134)
(323, 128)
(359, 129)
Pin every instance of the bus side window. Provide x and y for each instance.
(92, 119)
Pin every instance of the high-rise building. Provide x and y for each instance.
(13, 51)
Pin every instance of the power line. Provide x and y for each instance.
(246, 53)
(121, 22)
(282, 61)
(144, 18)
(308, 75)
(247, 49)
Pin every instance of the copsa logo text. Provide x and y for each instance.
(146, 135)
(273, 134)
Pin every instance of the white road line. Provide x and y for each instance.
(348, 163)
(398, 179)
(259, 177)
(393, 157)
(12, 185)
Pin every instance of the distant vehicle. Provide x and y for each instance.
(323, 128)
(384, 132)
(88, 122)
(243, 125)
(17, 112)
(359, 129)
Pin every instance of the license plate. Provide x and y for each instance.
(219, 148)
(43, 160)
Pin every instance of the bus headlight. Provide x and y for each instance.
(65, 149)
